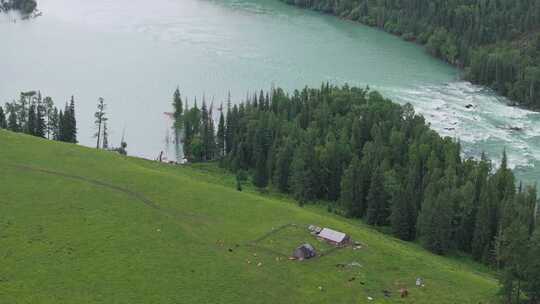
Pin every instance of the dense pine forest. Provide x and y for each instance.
(34, 115)
(496, 41)
(369, 158)
(24, 6)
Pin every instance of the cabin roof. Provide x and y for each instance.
(332, 235)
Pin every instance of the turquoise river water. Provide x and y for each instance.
(134, 53)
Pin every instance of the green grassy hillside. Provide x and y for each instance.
(82, 226)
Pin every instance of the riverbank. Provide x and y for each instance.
(503, 58)
(239, 45)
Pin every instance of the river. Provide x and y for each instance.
(134, 53)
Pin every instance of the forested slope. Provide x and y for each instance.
(80, 225)
(24, 6)
(367, 157)
(496, 41)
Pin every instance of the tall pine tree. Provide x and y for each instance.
(403, 217)
(302, 182)
(72, 122)
(532, 274)
(54, 124)
(178, 114)
(262, 144)
(41, 127)
(486, 224)
(48, 105)
(352, 189)
(100, 119)
(378, 210)
(61, 126)
(3, 121)
(13, 122)
(221, 134)
(283, 166)
(31, 127)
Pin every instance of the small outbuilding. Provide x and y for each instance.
(303, 252)
(314, 229)
(334, 237)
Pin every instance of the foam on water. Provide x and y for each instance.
(481, 120)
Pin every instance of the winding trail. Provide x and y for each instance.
(138, 196)
(133, 194)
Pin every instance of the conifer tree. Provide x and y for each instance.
(3, 121)
(212, 145)
(260, 178)
(196, 118)
(403, 218)
(255, 103)
(41, 127)
(513, 253)
(229, 127)
(22, 109)
(48, 105)
(283, 166)
(13, 123)
(31, 127)
(188, 132)
(230, 130)
(352, 190)
(466, 212)
(261, 146)
(207, 133)
(61, 126)
(532, 274)
(505, 180)
(54, 124)
(105, 145)
(123, 145)
(435, 221)
(72, 122)
(332, 167)
(66, 124)
(486, 225)
(377, 201)
(101, 118)
(178, 114)
(267, 101)
(262, 102)
(302, 184)
(221, 134)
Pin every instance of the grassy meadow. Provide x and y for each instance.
(84, 226)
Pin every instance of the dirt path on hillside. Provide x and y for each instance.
(133, 194)
(138, 196)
